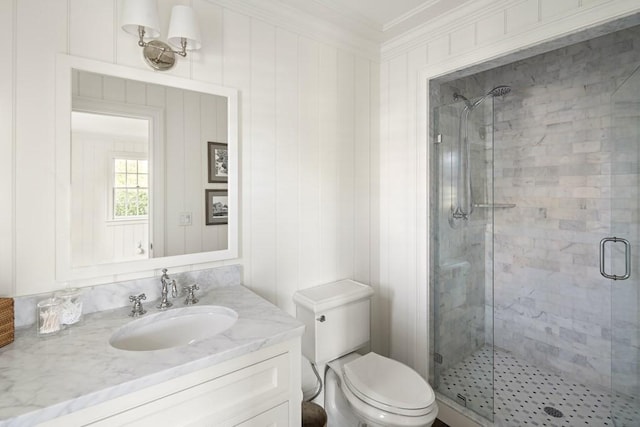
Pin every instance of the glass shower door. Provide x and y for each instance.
(462, 242)
(625, 215)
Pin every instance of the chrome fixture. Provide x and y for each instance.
(191, 297)
(166, 283)
(137, 309)
(494, 205)
(627, 258)
(140, 19)
(463, 206)
(458, 97)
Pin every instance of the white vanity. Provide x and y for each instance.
(248, 375)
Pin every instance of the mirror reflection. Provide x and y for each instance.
(146, 162)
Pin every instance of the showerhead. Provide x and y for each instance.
(499, 91)
(496, 91)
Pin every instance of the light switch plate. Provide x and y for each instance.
(185, 218)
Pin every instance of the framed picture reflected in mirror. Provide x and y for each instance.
(218, 162)
(217, 207)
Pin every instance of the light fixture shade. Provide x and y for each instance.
(140, 13)
(183, 24)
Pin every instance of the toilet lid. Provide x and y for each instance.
(389, 385)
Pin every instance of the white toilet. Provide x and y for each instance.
(356, 390)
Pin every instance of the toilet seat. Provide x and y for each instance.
(389, 386)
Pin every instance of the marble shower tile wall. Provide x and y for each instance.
(553, 158)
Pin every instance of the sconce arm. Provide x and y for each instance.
(163, 47)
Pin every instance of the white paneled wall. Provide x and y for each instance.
(308, 139)
(7, 150)
(481, 31)
(34, 152)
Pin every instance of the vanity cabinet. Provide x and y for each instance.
(258, 389)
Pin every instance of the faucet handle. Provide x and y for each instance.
(191, 298)
(174, 289)
(138, 298)
(137, 309)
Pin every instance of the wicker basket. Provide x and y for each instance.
(6, 321)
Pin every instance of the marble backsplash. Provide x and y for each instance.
(115, 295)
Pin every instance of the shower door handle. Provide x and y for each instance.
(627, 258)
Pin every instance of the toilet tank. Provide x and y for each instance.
(336, 316)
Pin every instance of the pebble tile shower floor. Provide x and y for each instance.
(522, 392)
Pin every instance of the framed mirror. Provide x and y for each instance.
(134, 168)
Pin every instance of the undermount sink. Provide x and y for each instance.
(173, 328)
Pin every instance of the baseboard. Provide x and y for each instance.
(452, 417)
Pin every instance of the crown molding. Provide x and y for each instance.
(410, 14)
(457, 18)
(470, 13)
(322, 23)
(333, 10)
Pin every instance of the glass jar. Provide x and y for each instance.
(71, 310)
(49, 316)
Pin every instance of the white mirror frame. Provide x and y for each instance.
(104, 273)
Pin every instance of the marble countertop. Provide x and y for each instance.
(43, 378)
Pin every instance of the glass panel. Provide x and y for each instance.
(132, 180)
(143, 166)
(625, 296)
(462, 223)
(132, 166)
(143, 202)
(121, 165)
(121, 180)
(119, 202)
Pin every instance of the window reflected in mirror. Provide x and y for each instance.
(129, 188)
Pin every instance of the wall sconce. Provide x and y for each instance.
(140, 19)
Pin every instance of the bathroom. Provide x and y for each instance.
(340, 116)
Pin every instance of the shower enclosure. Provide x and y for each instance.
(625, 221)
(523, 189)
(463, 219)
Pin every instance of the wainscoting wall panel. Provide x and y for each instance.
(7, 151)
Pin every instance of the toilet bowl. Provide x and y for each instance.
(384, 392)
(356, 389)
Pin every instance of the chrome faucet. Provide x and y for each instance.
(191, 297)
(166, 283)
(137, 309)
